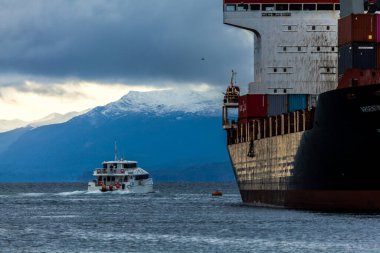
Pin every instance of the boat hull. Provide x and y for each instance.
(334, 166)
(146, 187)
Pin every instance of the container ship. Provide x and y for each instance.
(307, 133)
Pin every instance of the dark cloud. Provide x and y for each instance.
(137, 41)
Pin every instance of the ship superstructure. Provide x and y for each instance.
(300, 142)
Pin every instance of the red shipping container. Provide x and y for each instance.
(253, 106)
(357, 28)
(378, 28)
(359, 77)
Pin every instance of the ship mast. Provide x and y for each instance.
(230, 101)
(115, 151)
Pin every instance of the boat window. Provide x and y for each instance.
(141, 177)
(242, 7)
(325, 7)
(104, 166)
(295, 7)
(309, 7)
(255, 7)
(129, 165)
(100, 178)
(231, 7)
(337, 7)
(267, 7)
(112, 178)
(125, 178)
(108, 179)
(282, 7)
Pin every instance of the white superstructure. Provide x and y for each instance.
(121, 175)
(295, 43)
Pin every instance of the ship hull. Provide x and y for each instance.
(316, 200)
(333, 167)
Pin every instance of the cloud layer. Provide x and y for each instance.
(142, 41)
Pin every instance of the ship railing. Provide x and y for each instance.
(257, 129)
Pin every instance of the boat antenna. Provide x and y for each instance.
(115, 151)
(233, 78)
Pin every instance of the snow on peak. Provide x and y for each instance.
(166, 101)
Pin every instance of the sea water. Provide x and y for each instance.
(178, 217)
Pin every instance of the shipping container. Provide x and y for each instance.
(357, 56)
(277, 104)
(357, 28)
(297, 102)
(377, 28)
(359, 77)
(252, 106)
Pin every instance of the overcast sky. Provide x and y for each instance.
(78, 54)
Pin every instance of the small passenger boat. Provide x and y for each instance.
(121, 175)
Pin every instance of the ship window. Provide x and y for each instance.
(327, 69)
(337, 7)
(284, 90)
(108, 179)
(129, 165)
(284, 69)
(284, 49)
(275, 90)
(282, 7)
(275, 70)
(141, 177)
(325, 7)
(299, 49)
(112, 178)
(309, 7)
(230, 7)
(328, 28)
(125, 178)
(104, 166)
(242, 7)
(313, 27)
(295, 7)
(267, 7)
(332, 48)
(289, 27)
(318, 48)
(255, 7)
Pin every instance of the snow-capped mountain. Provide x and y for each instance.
(165, 101)
(168, 132)
(56, 118)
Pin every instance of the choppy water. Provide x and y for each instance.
(178, 218)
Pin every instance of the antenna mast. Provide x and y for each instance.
(115, 151)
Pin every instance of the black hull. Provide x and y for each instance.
(336, 166)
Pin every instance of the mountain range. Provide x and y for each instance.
(54, 118)
(176, 135)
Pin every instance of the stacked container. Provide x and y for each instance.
(297, 102)
(252, 106)
(277, 104)
(358, 41)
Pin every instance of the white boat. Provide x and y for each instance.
(121, 175)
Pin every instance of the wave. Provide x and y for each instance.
(70, 193)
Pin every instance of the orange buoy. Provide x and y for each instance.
(216, 193)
